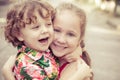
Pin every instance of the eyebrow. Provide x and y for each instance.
(74, 32)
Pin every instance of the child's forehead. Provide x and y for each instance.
(36, 16)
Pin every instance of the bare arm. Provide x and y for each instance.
(7, 68)
(77, 71)
(83, 72)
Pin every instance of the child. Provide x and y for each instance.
(69, 27)
(86, 67)
(29, 28)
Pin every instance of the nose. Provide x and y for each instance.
(61, 39)
(44, 30)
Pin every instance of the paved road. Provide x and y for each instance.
(102, 43)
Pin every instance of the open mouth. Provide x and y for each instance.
(44, 40)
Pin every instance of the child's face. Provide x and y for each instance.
(67, 33)
(38, 35)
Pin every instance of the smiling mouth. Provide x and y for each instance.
(58, 47)
(44, 40)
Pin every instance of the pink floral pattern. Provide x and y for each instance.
(33, 65)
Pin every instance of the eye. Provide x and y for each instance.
(36, 27)
(56, 30)
(71, 34)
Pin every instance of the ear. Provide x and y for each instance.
(81, 41)
(81, 38)
(20, 37)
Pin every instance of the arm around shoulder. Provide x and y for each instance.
(83, 72)
(76, 71)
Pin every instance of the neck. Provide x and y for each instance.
(62, 61)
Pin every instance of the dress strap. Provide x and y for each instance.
(61, 68)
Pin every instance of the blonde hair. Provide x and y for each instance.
(82, 16)
(78, 11)
(21, 14)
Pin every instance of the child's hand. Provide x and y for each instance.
(71, 57)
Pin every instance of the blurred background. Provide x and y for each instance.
(102, 35)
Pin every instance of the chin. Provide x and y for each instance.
(44, 49)
(57, 54)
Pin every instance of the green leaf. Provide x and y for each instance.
(42, 58)
(19, 47)
(54, 75)
(16, 62)
(42, 72)
(34, 53)
(46, 78)
(24, 73)
(27, 50)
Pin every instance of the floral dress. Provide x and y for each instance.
(33, 65)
